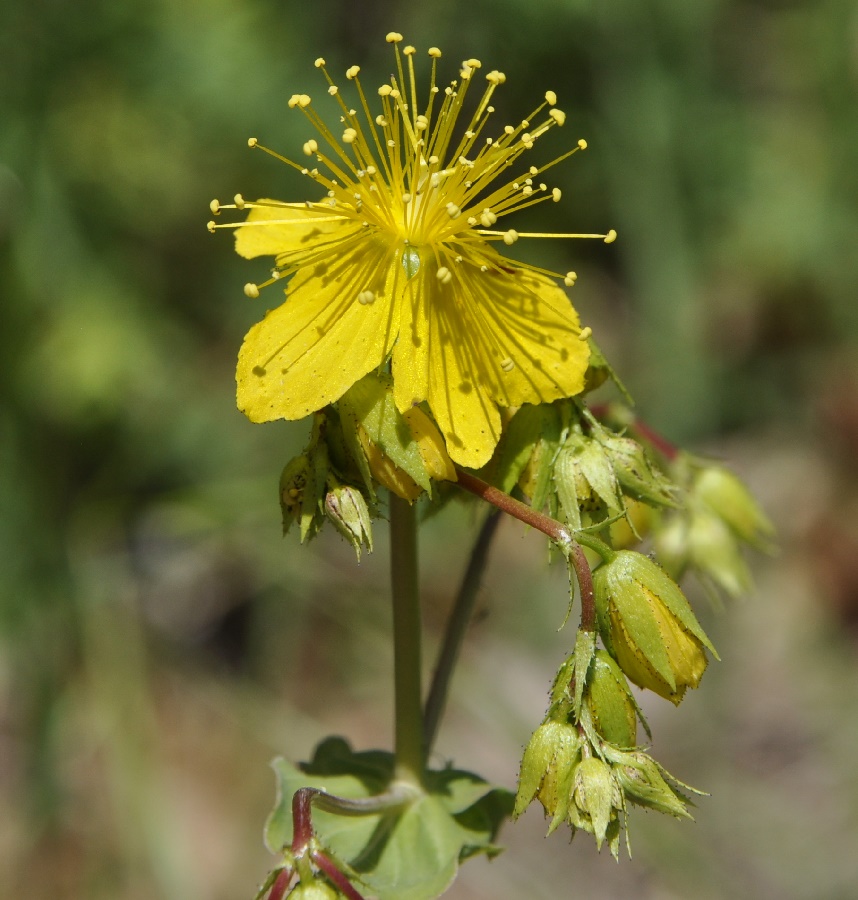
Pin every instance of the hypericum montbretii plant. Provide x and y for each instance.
(421, 355)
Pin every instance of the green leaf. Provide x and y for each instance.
(370, 400)
(406, 854)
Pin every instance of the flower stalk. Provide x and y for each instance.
(410, 754)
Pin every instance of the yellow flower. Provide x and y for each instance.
(396, 263)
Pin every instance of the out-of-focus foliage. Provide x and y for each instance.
(159, 642)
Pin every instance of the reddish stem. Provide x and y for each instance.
(557, 531)
(585, 584)
(302, 821)
(329, 867)
(641, 429)
(281, 884)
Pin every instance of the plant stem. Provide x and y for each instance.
(557, 531)
(585, 585)
(454, 634)
(410, 756)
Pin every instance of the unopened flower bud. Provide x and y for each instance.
(610, 700)
(713, 551)
(635, 472)
(546, 768)
(317, 889)
(585, 479)
(728, 497)
(648, 627)
(595, 798)
(644, 782)
(347, 508)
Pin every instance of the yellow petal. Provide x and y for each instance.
(463, 409)
(291, 230)
(530, 331)
(311, 349)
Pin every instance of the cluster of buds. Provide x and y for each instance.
(706, 535)
(583, 763)
(356, 445)
(561, 456)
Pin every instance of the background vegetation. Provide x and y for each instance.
(160, 642)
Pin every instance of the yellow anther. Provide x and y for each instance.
(252, 142)
(421, 123)
(409, 50)
(444, 275)
(434, 52)
(533, 171)
(393, 37)
(586, 333)
(558, 115)
(453, 211)
(349, 136)
(395, 94)
(507, 365)
(527, 140)
(251, 290)
(371, 170)
(487, 218)
(433, 160)
(570, 279)
(366, 297)
(211, 227)
(510, 237)
(610, 237)
(472, 221)
(310, 147)
(508, 129)
(473, 63)
(550, 97)
(385, 90)
(352, 72)
(380, 121)
(214, 206)
(527, 190)
(319, 63)
(556, 194)
(333, 90)
(239, 201)
(406, 198)
(582, 144)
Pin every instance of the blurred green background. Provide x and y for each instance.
(160, 641)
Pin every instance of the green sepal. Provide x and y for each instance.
(636, 473)
(526, 440)
(266, 885)
(312, 502)
(370, 402)
(585, 653)
(412, 853)
(612, 704)
(566, 487)
(600, 370)
(594, 795)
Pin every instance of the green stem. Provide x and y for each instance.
(455, 631)
(410, 755)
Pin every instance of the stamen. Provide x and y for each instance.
(570, 279)
(444, 275)
(214, 206)
(585, 333)
(366, 297)
(251, 290)
(507, 365)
